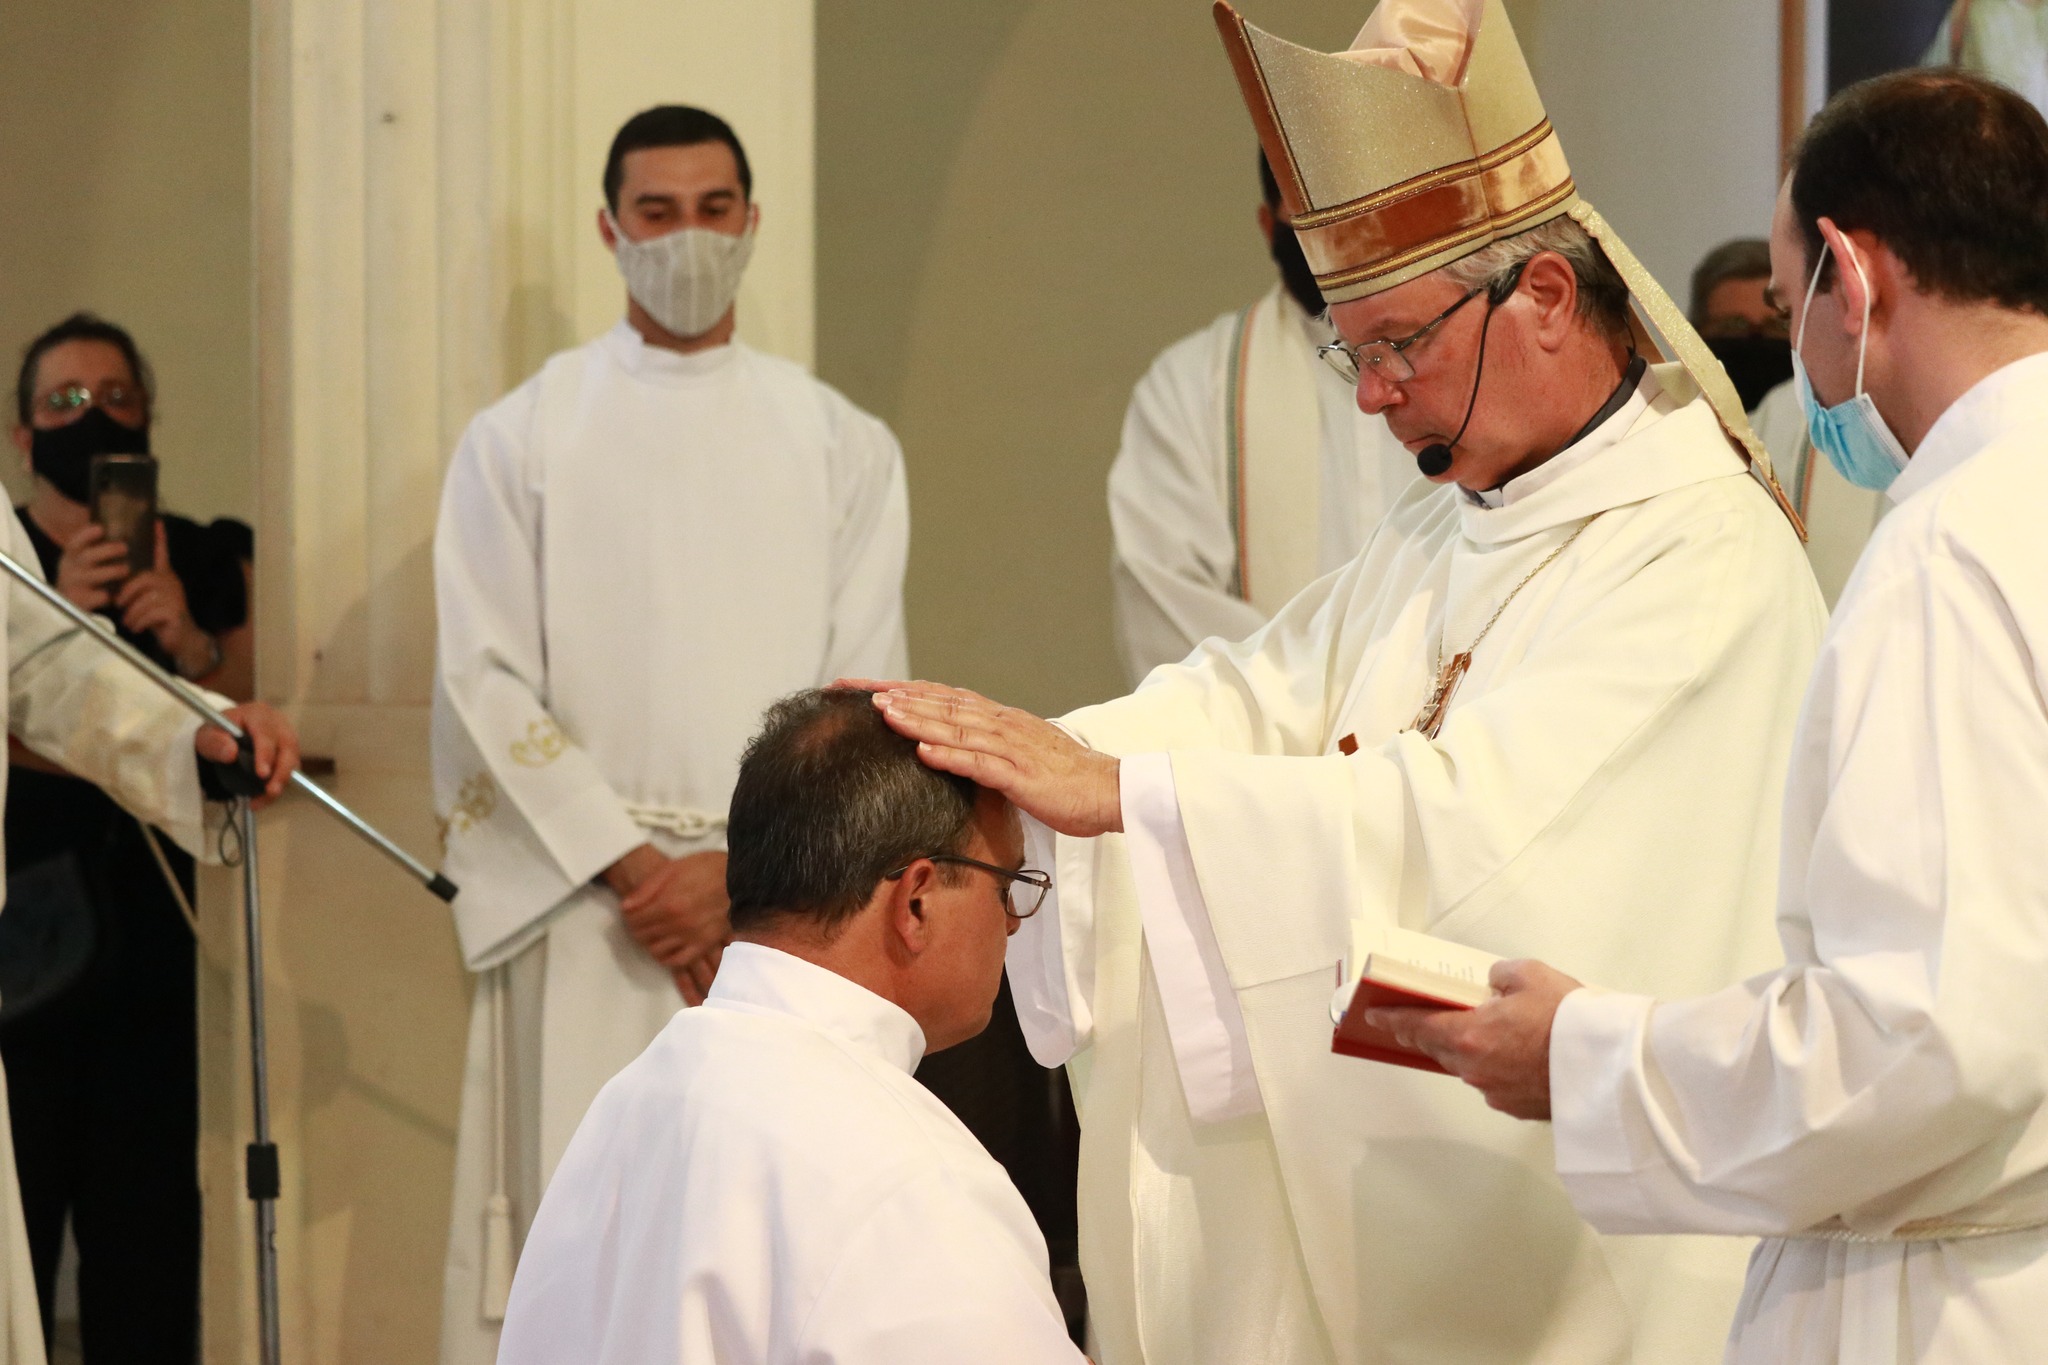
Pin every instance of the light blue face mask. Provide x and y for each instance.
(1851, 434)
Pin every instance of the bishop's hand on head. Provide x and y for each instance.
(1043, 770)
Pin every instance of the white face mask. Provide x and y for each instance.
(685, 279)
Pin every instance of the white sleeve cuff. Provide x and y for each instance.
(1036, 959)
(1203, 1019)
(1595, 1045)
(589, 832)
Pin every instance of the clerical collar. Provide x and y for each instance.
(1603, 429)
(756, 979)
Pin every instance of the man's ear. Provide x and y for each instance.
(606, 233)
(23, 438)
(909, 908)
(1554, 290)
(1856, 272)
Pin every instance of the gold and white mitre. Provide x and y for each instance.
(1424, 143)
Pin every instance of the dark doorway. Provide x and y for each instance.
(1871, 37)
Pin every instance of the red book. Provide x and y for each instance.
(1407, 969)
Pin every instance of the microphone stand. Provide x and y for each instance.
(261, 1168)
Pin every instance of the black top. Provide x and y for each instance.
(206, 559)
(48, 814)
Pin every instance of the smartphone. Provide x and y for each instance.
(124, 505)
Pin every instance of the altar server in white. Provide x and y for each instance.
(74, 703)
(639, 548)
(1878, 1107)
(1546, 704)
(1246, 471)
(767, 1184)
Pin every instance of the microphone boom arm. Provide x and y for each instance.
(191, 699)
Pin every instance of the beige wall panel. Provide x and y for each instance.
(125, 175)
(1020, 204)
(1668, 110)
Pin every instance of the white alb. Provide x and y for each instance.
(1602, 795)
(767, 1185)
(638, 551)
(1885, 1092)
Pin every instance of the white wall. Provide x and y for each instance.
(1021, 203)
(124, 176)
(1668, 110)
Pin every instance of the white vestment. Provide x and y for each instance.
(1246, 473)
(1602, 795)
(77, 705)
(638, 551)
(1839, 516)
(1889, 1085)
(767, 1185)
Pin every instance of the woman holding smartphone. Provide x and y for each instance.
(100, 1038)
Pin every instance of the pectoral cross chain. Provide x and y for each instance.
(1430, 718)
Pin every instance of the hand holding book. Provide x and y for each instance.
(1440, 1006)
(1399, 968)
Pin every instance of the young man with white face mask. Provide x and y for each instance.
(1876, 1109)
(639, 549)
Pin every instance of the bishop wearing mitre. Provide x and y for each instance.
(1545, 711)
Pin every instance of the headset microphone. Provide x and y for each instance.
(1434, 459)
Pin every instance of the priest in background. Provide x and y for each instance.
(766, 1184)
(639, 548)
(1734, 314)
(1743, 323)
(1744, 326)
(1546, 705)
(1878, 1107)
(1246, 472)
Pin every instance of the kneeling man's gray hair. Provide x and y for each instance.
(829, 799)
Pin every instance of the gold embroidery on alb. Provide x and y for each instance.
(1430, 718)
(475, 801)
(544, 743)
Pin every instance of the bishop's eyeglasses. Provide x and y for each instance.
(1388, 359)
(1034, 882)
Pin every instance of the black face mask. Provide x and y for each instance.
(1755, 364)
(63, 455)
(1294, 271)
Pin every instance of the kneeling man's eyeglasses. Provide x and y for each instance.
(1018, 904)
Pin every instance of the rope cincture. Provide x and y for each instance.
(1919, 1230)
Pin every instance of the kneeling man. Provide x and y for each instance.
(766, 1182)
